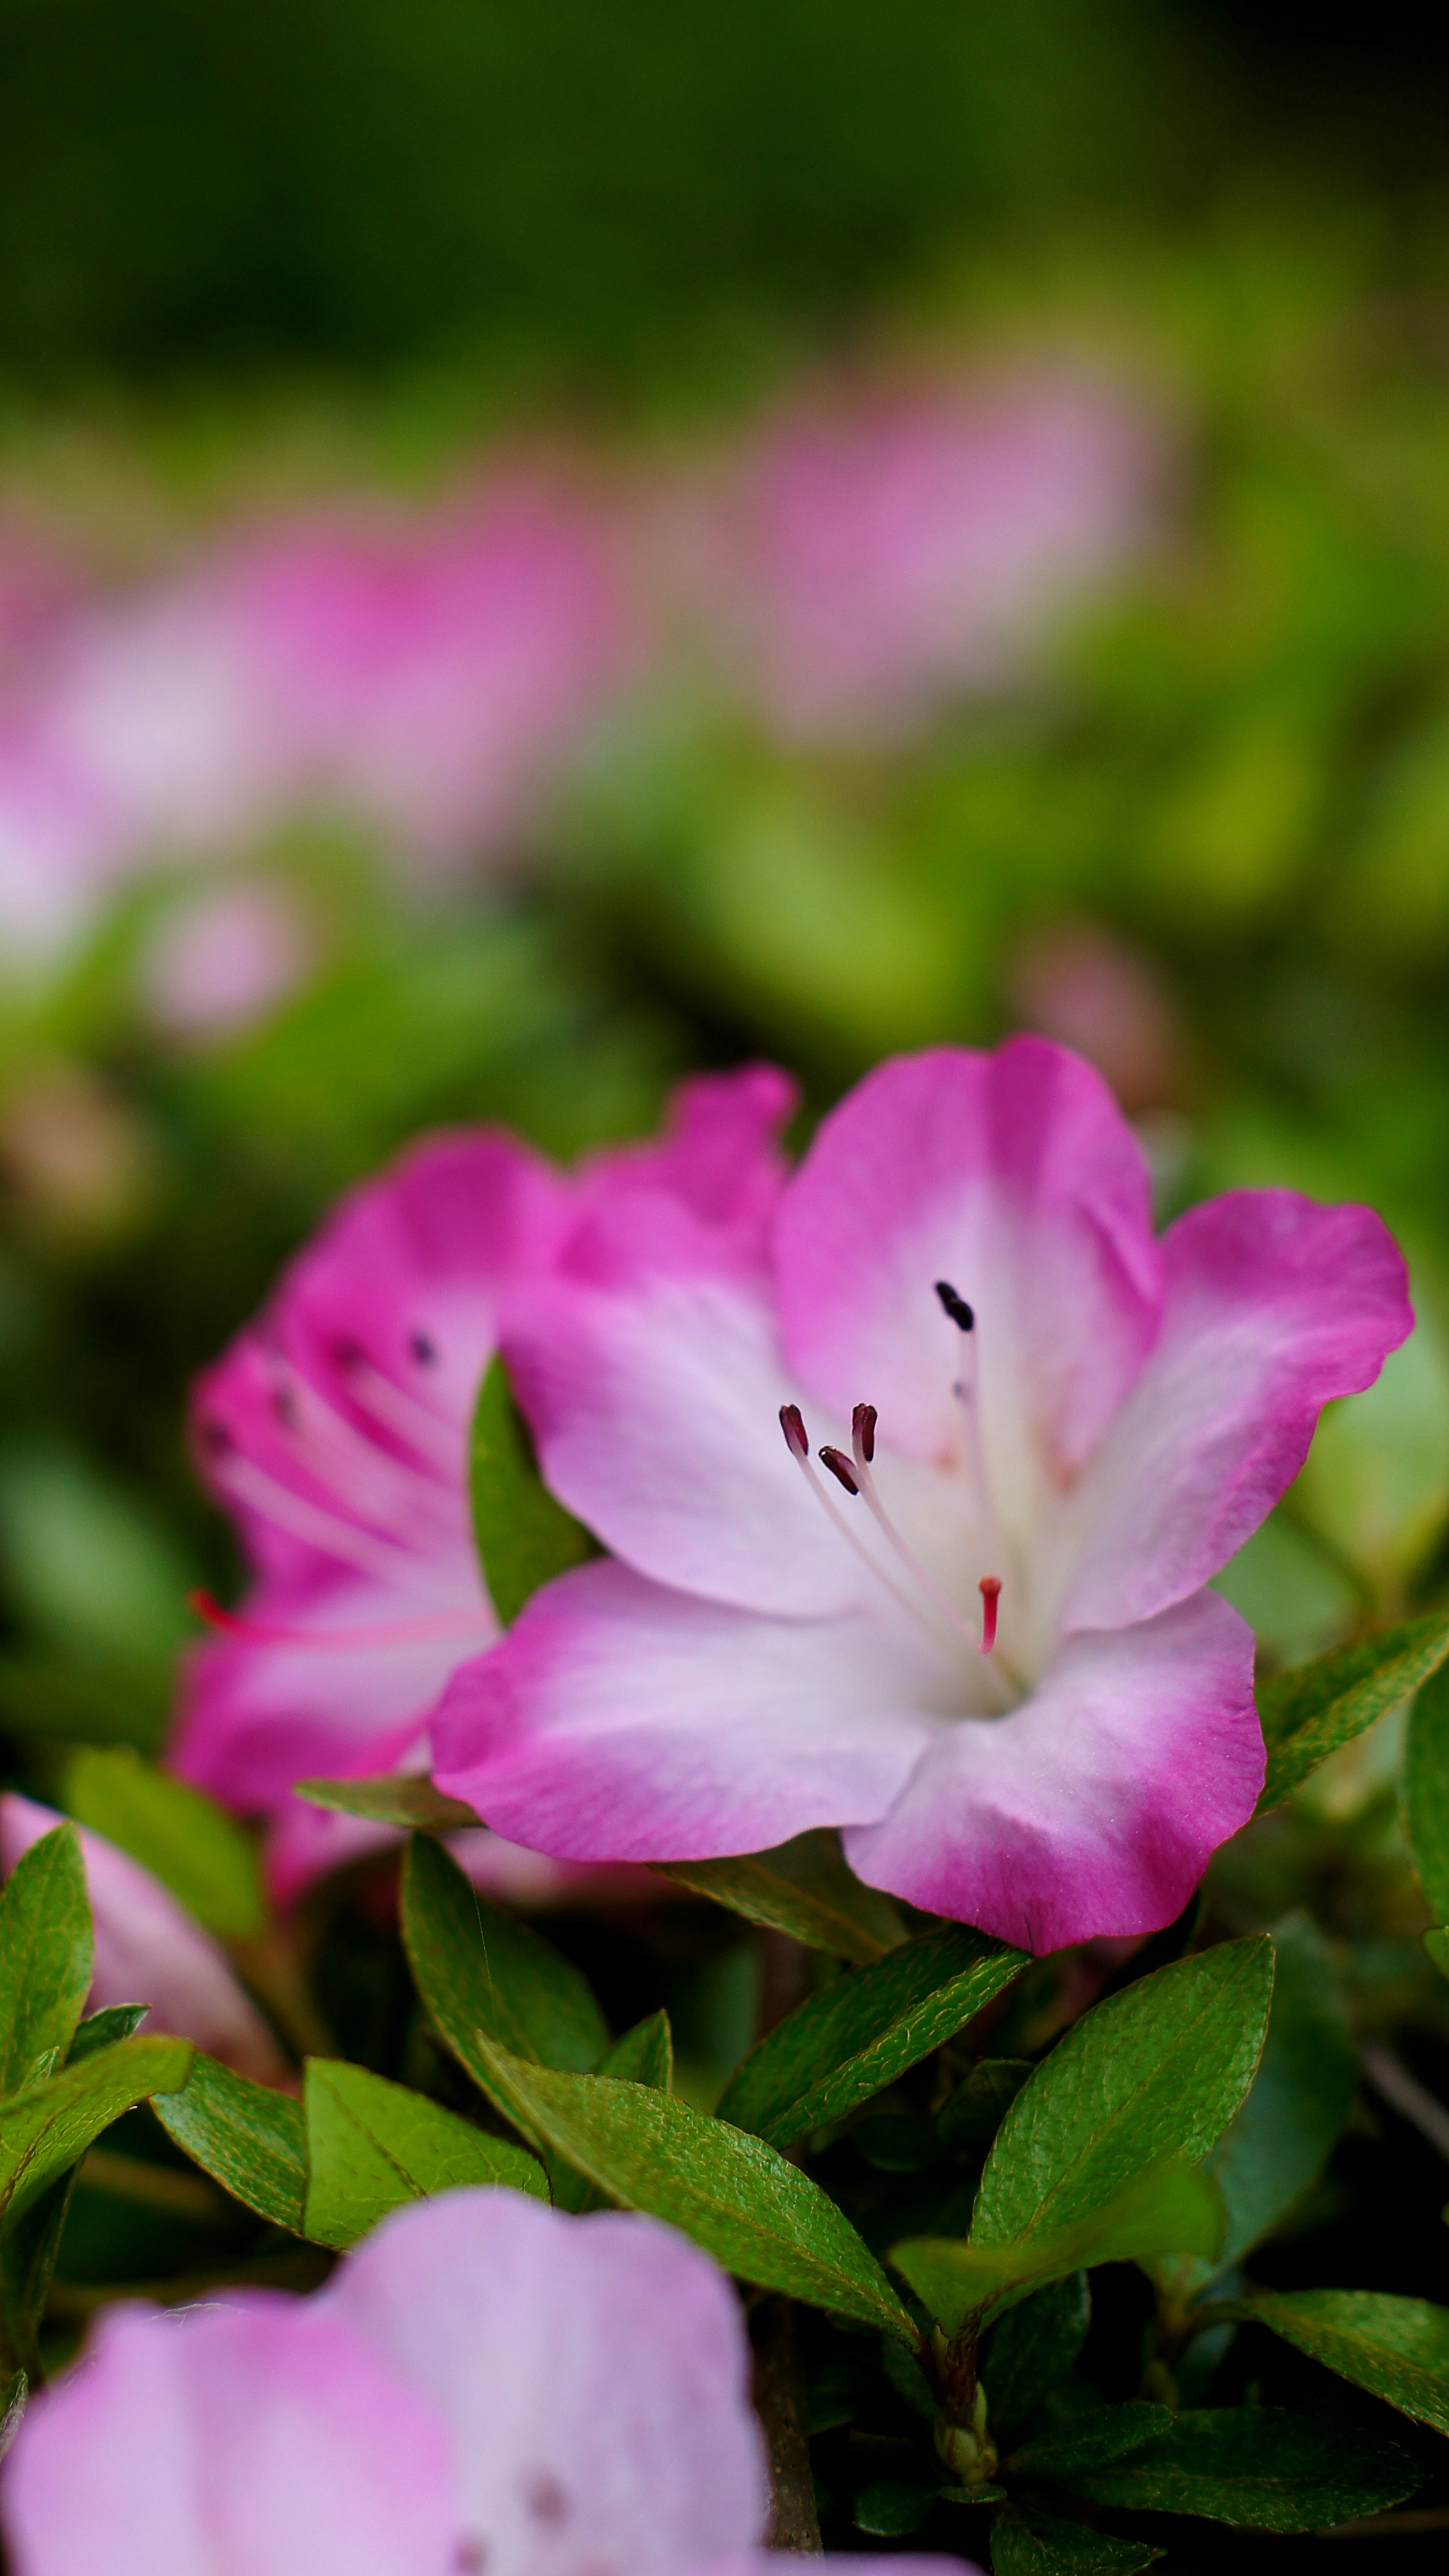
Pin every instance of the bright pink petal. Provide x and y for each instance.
(150, 1951)
(1015, 1177)
(718, 1154)
(1274, 1304)
(1094, 1807)
(594, 2373)
(622, 1721)
(258, 2441)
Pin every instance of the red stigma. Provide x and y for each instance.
(990, 1590)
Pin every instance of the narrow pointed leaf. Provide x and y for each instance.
(1426, 1790)
(248, 2138)
(47, 1950)
(862, 2031)
(1263, 2468)
(645, 2054)
(372, 2145)
(50, 2127)
(756, 2214)
(408, 1799)
(1300, 2096)
(804, 1888)
(978, 2106)
(476, 1968)
(1033, 2348)
(102, 2029)
(209, 1862)
(524, 1536)
(1399, 2348)
(1169, 2207)
(1309, 1712)
(1104, 2433)
(1027, 2543)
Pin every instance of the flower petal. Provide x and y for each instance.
(1093, 1808)
(1273, 1305)
(263, 2440)
(619, 1720)
(149, 1950)
(594, 2373)
(1015, 1177)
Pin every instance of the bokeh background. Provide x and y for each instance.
(544, 546)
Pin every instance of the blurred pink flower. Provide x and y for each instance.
(224, 957)
(335, 1430)
(868, 563)
(150, 1951)
(484, 2384)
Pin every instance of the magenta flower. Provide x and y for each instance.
(150, 1951)
(1042, 1431)
(484, 2384)
(335, 1431)
(873, 562)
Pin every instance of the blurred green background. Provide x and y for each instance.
(249, 261)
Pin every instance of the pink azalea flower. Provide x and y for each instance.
(150, 1951)
(1051, 1431)
(484, 2384)
(335, 1430)
(873, 562)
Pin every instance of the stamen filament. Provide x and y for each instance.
(792, 1424)
(391, 1632)
(440, 1442)
(256, 1491)
(863, 1423)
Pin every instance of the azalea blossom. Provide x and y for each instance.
(959, 1608)
(335, 1430)
(485, 2384)
(868, 561)
(150, 1951)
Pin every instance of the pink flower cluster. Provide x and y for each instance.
(484, 2384)
(848, 569)
(912, 1465)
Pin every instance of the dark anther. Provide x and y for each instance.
(546, 2499)
(840, 1468)
(862, 1428)
(792, 1423)
(424, 1350)
(956, 1306)
(215, 1438)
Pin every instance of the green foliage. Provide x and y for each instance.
(1308, 1713)
(645, 2054)
(372, 2145)
(1033, 2347)
(248, 2138)
(1299, 2099)
(1398, 2348)
(481, 1973)
(861, 2032)
(1260, 2467)
(1104, 2433)
(1094, 2161)
(1025, 2542)
(401, 1798)
(47, 2127)
(978, 2106)
(102, 2029)
(46, 1953)
(1426, 1790)
(524, 1537)
(184, 1838)
(804, 1888)
(758, 2215)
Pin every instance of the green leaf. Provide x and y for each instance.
(979, 2105)
(524, 1536)
(1092, 2161)
(758, 2215)
(1262, 2467)
(12, 2407)
(1300, 2097)
(1027, 2543)
(102, 2029)
(1309, 1712)
(44, 2130)
(27, 2267)
(645, 2054)
(192, 1845)
(1103, 2434)
(406, 1798)
(477, 1968)
(1399, 2348)
(372, 2145)
(1426, 1790)
(1437, 1945)
(1033, 2347)
(892, 2508)
(1168, 2207)
(863, 2030)
(804, 1888)
(248, 2138)
(47, 1951)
